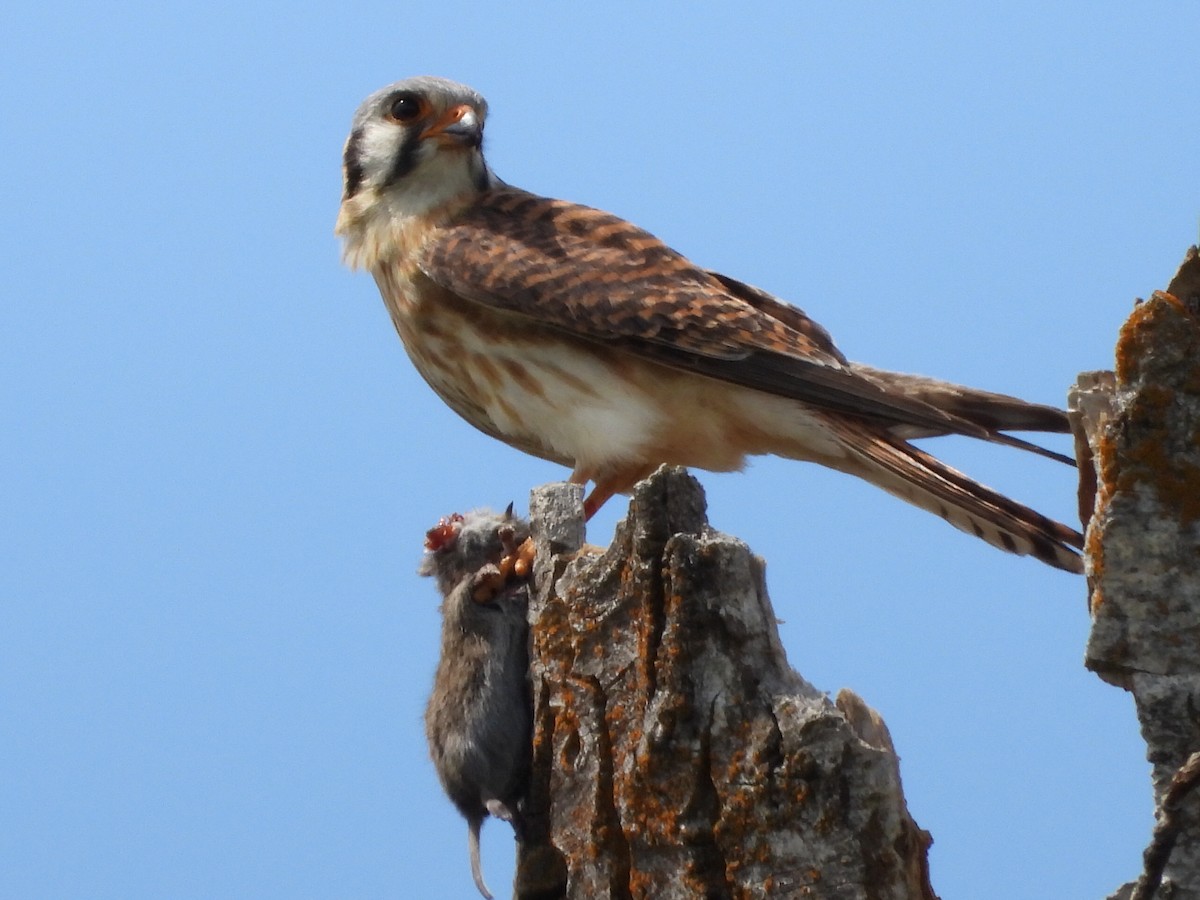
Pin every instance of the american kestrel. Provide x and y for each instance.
(573, 335)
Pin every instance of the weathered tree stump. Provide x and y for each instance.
(676, 753)
(1141, 426)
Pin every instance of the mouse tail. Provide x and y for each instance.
(474, 823)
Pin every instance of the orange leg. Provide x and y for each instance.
(597, 498)
(613, 483)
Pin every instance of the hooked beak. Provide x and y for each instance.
(459, 126)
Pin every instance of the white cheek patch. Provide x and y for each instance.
(378, 147)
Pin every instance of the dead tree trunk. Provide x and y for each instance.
(1141, 428)
(676, 754)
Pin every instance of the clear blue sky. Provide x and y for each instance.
(219, 464)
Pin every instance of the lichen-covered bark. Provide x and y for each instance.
(677, 754)
(1143, 555)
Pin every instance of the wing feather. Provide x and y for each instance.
(599, 278)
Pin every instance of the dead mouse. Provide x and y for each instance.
(479, 717)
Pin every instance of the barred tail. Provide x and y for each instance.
(921, 479)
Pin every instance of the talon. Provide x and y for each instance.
(523, 561)
(517, 562)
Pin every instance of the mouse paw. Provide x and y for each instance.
(498, 809)
(487, 583)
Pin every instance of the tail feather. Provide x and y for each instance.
(927, 482)
(988, 409)
(995, 413)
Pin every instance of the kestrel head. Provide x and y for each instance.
(413, 146)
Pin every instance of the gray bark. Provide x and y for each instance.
(1139, 431)
(676, 753)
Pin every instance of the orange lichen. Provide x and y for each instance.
(1139, 334)
(1160, 333)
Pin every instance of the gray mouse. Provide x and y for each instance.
(479, 718)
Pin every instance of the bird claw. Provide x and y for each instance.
(522, 559)
(515, 565)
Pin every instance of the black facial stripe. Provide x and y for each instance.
(352, 164)
(482, 182)
(406, 159)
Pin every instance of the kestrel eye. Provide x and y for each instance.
(405, 108)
